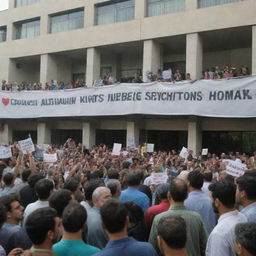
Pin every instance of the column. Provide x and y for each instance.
(11, 4)
(43, 133)
(132, 131)
(151, 57)
(89, 13)
(194, 135)
(194, 56)
(5, 133)
(48, 69)
(254, 50)
(92, 65)
(140, 9)
(191, 5)
(89, 134)
(44, 29)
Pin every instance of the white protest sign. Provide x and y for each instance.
(116, 149)
(235, 168)
(5, 152)
(131, 142)
(150, 148)
(204, 151)
(184, 153)
(159, 178)
(27, 146)
(50, 158)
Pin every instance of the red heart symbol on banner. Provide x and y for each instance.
(5, 101)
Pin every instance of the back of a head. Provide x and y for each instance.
(173, 231)
(113, 214)
(34, 178)
(113, 174)
(59, 200)
(74, 217)
(196, 179)
(114, 185)
(8, 179)
(225, 191)
(25, 175)
(71, 184)
(7, 200)
(90, 186)
(162, 191)
(208, 176)
(248, 184)
(133, 178)
(43, 189)
(39, 223)
(245, 234)
(178, 190)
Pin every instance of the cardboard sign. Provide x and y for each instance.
(5, 152)
(27, 146)
(150, 148)
(116, 149)
(204, 151)
(50, 158)
(184, 153)
(131, 142)
(159, 178)
(235, 168)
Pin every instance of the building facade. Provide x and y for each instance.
(44, 40)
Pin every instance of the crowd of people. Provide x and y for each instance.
(91, 202)
(167, 75)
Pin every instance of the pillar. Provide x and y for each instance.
(254, 50)
(191, 5)
(89, 134)
(92, 65)
(89, 17)
(140, 9)
(194, 135)
(43, 133)
(5, 133)
(48, 69)
(44, 29)
(151, 57)
(132, 131)
(194, 56)
(11, 4)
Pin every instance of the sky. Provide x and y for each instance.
(3, 4)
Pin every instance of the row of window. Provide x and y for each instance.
(112, 12)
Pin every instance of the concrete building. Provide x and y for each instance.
(44, 40)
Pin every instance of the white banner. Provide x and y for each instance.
(50, 158)
(159, 178)
(204, 151)
(184, 153)
(116, 149)
(221, 98)
(27, 146)
(235, 168)
(5, 152)
(150, 148)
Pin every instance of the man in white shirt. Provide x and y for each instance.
(43, 190)
(221, 239)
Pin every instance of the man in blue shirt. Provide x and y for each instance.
(199, 201)
(132, 193)
(115, 219)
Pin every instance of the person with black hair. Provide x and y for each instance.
(246, 196)
(245, 234)
(115, 219)
(198, 201)
(24, 177)
(172, 236)
(74, 185)
(163, 206)
(132, 193)
(43, 227)
(73, 220)
(28, 194)
(58, 200)
(115, 187)
(12, 235)
(221, 239)
(207, 182)
(8, 180)
(196, 232)
(43, 190)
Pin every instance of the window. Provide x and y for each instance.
(2, 34)
(115, 12)
(67, 21)
(208, 3)
(27, 29)
(19, 3)
(160, 7)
